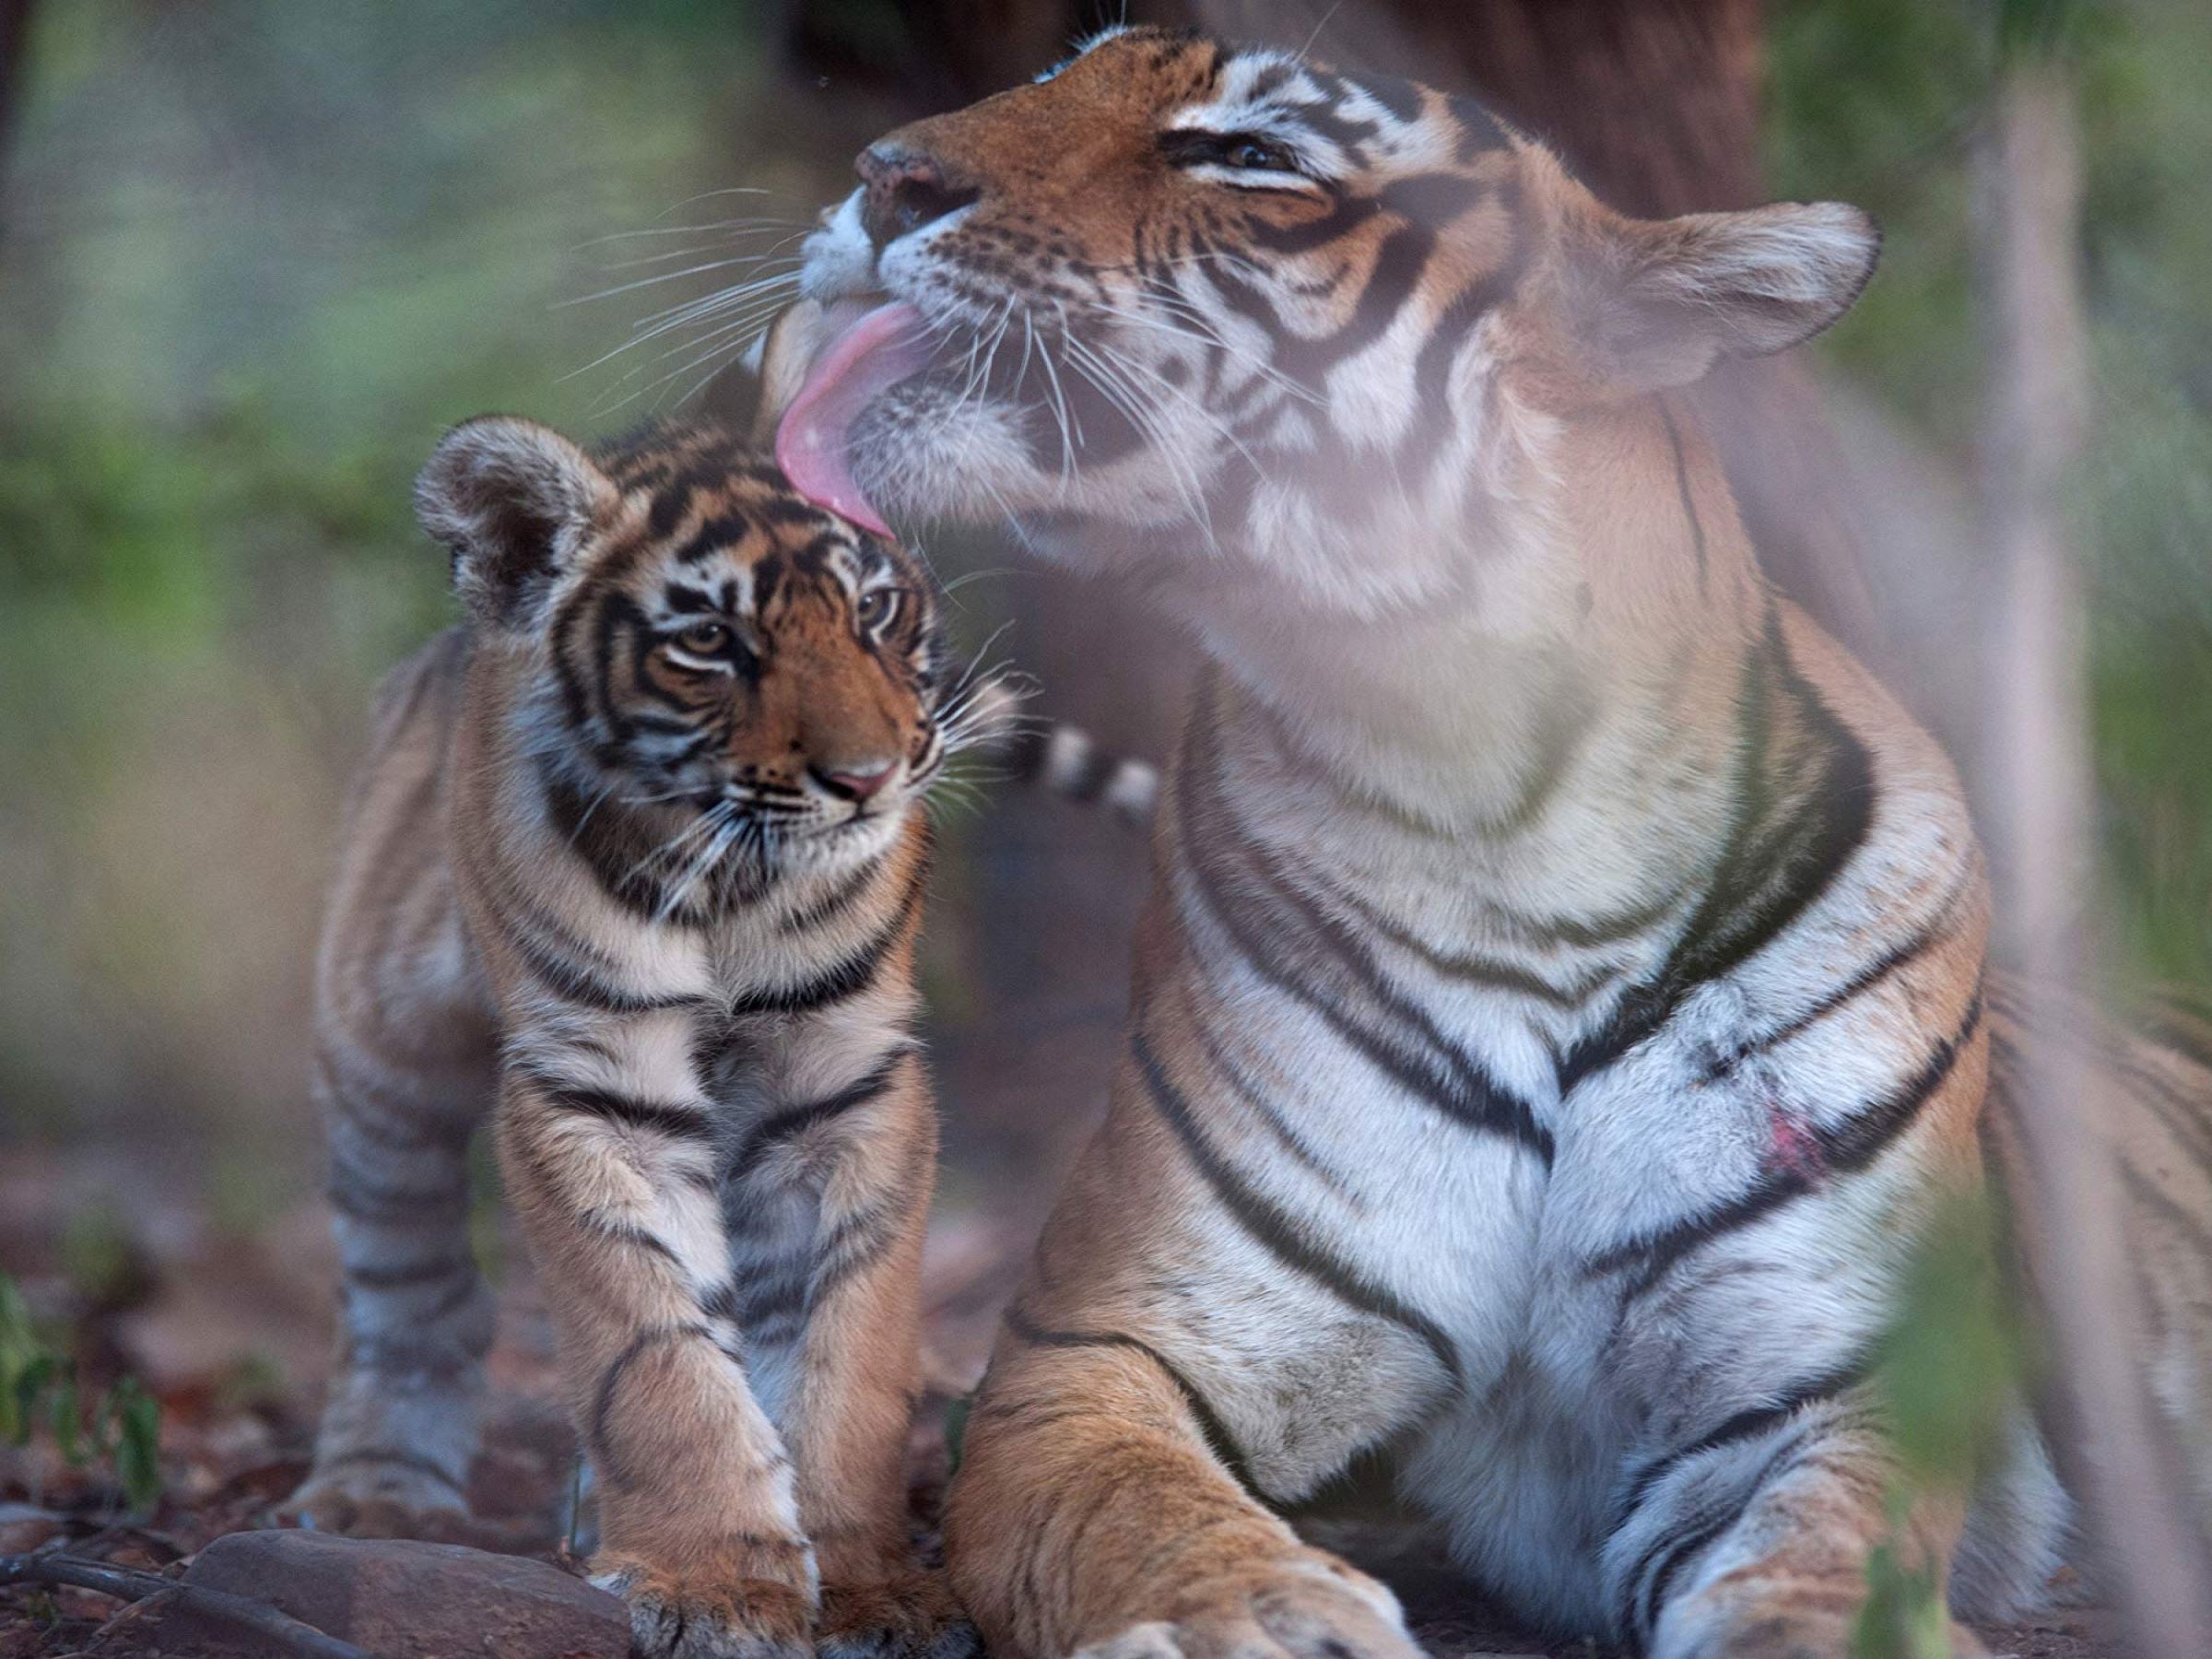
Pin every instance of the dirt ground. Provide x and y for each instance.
(230, 1334)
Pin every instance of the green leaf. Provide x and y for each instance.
(137, 1417)
(63, 1419)
(20, 1404)
(955, 1427)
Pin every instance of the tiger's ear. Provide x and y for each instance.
(514, 501)
(1655, 304)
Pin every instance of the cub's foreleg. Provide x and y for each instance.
(400, 1429)
(699, 1525)
(839, 1320)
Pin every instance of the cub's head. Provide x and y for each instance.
(732, 677)
(1272, 311)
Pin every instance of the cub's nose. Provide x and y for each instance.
(857, 780)
(906, 188)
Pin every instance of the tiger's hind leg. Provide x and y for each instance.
(402, 1092)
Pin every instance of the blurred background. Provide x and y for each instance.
(255, 254)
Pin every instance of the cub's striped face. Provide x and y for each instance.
(1322, 323)
(703, 645)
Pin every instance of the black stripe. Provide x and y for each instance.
(1282, 1237)
(1745, 1425)
(1593, 933)
(1218, 1440)
(573, 981)
(1673, 1548)
(367, 1109)
(1423, 1062)
(796, 1120)
(1475, 969)
(627, 1232)
(1844, 1149)
(682, 1123)
(848, 977)
(835, 903)
(1242, 1086)
(1447, 336)
(414, 1274)
(603, 1397)
(1770, 872)
(1935, 929)
(395, 1206)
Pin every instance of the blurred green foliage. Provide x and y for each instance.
(253, 254)
(1878, 102)
(118, 1426)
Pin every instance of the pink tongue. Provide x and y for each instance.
(873, 353)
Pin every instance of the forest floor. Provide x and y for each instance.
(231, 1334)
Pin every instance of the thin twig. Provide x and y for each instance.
(128, 1583)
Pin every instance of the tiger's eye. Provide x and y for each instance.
(706, 638)
(875, 607)
(1251, 153)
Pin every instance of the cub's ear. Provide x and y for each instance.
(1655, 303)
(514, 501)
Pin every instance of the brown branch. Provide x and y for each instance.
(128, 1584)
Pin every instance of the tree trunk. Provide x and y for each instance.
(15, 50)
(2038, 744)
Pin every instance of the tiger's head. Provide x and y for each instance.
(705, 667)
(1234, 307)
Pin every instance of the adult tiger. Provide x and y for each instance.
(1562, 1000)
(639, 853)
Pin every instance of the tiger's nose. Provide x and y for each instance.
(905, 189)
(856, 781)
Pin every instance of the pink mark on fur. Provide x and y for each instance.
(1793, 1148)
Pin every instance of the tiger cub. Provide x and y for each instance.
(639, 853)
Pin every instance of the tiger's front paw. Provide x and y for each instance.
(1805, 1621)
(912, 1616)
(708, 1618)
(1309, 1606)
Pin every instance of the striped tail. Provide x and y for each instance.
(1060, 758)
(1066, 760)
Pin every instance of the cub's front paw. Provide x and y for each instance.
(370, 1497)
(1305, 1606)
(912, 1617)
(708, 1618)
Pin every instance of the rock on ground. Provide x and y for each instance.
(395, 1598)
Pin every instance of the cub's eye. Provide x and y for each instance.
(874, 608)
(705, 640)
(1258, 155)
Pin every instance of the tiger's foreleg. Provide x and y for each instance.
(850, 1388)
(699, 1527)
(1759, 1546)
(1091, 1516)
